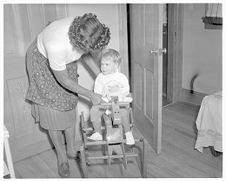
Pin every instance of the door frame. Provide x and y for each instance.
(123, 38)
(175, 52)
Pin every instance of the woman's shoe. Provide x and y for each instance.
(63, 170)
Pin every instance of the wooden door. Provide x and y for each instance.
(146, 70)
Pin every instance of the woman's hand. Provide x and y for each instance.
(96, 99)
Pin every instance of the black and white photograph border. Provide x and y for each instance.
(171, 57)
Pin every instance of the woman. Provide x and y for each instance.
(52, 71)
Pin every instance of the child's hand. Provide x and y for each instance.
(96, 98)
(104, 100)
(108, 96)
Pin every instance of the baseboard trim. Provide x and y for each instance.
(194, 98)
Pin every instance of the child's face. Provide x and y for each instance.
(108, 66)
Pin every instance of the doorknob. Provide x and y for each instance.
(158, 52)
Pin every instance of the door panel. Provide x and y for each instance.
(149, 94)
(138, 97)
(50, 13)
(146, 70)
(36, 19)
(26, 137)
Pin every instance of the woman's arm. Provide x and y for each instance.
(63, 78)
(92, 60)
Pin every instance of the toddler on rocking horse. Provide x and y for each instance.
(114, 87)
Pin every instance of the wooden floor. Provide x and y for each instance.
(178, 159)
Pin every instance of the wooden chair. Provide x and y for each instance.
(8, 166)
(112, 124)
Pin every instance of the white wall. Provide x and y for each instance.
(202, 52)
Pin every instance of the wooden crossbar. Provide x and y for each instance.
(91, 143)
(112, 156)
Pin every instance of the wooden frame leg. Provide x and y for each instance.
(83, 161)
(9, 158)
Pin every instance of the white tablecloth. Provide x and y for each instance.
(209, 123)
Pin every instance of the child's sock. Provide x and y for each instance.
(129, 138)
(96, 136)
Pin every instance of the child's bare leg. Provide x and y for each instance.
(70, 139)
(95, 116)
(124, 113)
(126, 124)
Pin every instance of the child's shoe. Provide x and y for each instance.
(129, 138)
(96, 137)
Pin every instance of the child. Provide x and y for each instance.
(110, 82)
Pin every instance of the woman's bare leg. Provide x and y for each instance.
(70, 139)
(56, 138)
(63, 165)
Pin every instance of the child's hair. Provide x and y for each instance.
(113, 55)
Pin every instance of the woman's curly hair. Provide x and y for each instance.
(87, 33)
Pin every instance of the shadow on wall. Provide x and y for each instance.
(192, 83)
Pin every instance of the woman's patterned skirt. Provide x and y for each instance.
(52, 105)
